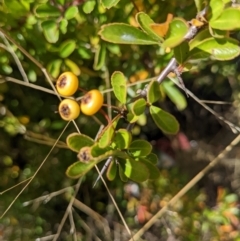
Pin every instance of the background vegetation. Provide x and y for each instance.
(63, 35)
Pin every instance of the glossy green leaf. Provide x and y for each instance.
(106, 137)
(175, 95)
(145, 22)
(181, 52)
(153, 93)
(66, 48)
(122, 139)
(121, 33)
(121, 173)
(88, 6)
(111, 171)
(228, 20)
(71, 12)
(72, 66)
(54, 67)
(46, 10)
(97, 151)
(220, 49)
(139, 106)
(140, 148)
(176, 32)
(63, 26)
(152, 158)
(109, 3)
(76, 141)
(153, 170)
(201, 36)
(119, 85)
(164, 120)
(135, 170)
(78, 169)
(216, 33)
(100, 57)
(131, 118)
(215, 9)
(50, 31)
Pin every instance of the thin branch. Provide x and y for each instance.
(67, 210)
(186, 188)
(72, 224)
(15, 57)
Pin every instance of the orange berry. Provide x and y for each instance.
(69, 109)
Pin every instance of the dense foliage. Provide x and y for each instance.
(140, 54)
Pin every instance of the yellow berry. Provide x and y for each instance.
(67, 84)
(91, 102)
(69, 109)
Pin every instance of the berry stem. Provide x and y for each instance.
(105, 115)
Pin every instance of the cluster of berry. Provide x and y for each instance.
(69, 109)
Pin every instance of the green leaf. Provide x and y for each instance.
(76, 141)
(200, 37)
(88, 6)
(71, 12)
(139, 106)
(66, 48)
(121, 174)
(145, 22)
(131, 118)
(63, 26)
(153, 170)
(140, 148)
(135, 170)
(121, 33)
(175, 95)
(97, 152)
(220, 49)
(228, 20)
(47, 10)
(122, 139)
(215, 9)
(152, 158)
(112, 171)
(176, 32)
(106, 137)
(50, 31)
(216, 33)
(109, 3)
(54, 67)
(199, 4)
(119, 85)
(78, 169)
(164, 120)
(181, 52)
(153, 93)
(100, 57)
(72, 66)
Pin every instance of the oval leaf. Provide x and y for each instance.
(76, 141)
(54, 67)
(135, 170)
(72, 66)
(140, 148)
(122, 139)
(175, 95)
(50, 31)
(228, 20)
(119, 85)
(121, 174)
(47, 10)
(152, 158)
(88, 6)
(78, 169)
(63, 26)
(139, 106)
(109, 3)
(100, 56)
(153, 93)
(66, 48)
(106, 137)
(125, 34)
(164, 120)
(111, 171)
(181, 52)
(176, 32)
(220, 49)
(215, 9)
(71, 12)
(145, 22)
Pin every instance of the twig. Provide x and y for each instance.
(15, 57)
(67, 210)
(186, 188)
(72, 224)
